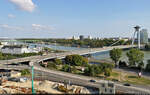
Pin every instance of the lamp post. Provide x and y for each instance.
(32, 67)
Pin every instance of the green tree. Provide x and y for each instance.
(66, 68)
(104, 66)
(141, 65)
(76, 60)
(115, 55)
(73, 69)
(25, 72)
(92, 70)
(107, 72)
(1, 56)
(135, 56)
(57, 61)
(51, 65)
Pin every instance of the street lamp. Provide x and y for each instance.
(32, 67)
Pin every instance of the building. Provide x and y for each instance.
(144, 36)
(15, 49)
(107, 88)
(81, 37)
(125, 39)
(89, 37)
(75, 38)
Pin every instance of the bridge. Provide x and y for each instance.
(39, 58)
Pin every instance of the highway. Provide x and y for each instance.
(58, 76)
(84, 80)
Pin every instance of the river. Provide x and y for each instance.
(105, 56)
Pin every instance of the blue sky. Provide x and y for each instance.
(65, 18)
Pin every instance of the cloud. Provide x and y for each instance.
(10, 28)
(38, 27)
(26, 5)
(33, 27)
(11, 16)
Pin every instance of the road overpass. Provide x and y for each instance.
(63, 54)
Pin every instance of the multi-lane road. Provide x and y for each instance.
(58, 76)
(84, 80)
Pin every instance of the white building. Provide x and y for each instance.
(35, 50)
(15, 49)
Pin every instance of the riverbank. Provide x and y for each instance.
(96, 61)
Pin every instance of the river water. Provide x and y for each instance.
(105, 56)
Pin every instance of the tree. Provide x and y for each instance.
(141, 65)
(66, 68)
(115, 55)
(135, 56)
(84, 61)
(92, 70)
(1, 56)
(76, 60)
(73, 69)
(107, 72)
(51, 65)
(25, 72)
(57, 61)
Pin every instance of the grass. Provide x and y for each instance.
(114, 74)
(136, 80)
(128, 78)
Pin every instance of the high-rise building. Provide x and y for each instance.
(144, 36)
(81, 37)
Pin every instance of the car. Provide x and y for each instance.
(127, 84)
(92, 80)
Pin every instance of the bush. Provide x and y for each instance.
(57, 61)
(73, 69)
(66, 68)
(51, 65)
(107, 72)
(25, 72)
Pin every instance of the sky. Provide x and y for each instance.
(67, 18)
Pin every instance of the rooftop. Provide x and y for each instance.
(14, 46)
